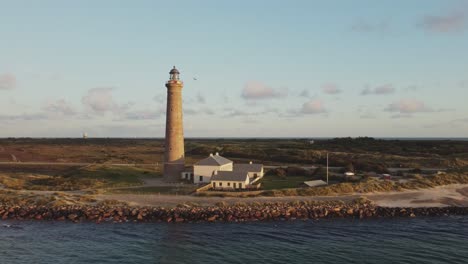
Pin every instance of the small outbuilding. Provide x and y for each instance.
(316, 183)
(386, 176)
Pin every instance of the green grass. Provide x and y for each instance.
(114, 176)
(77, 179)
(273, 182)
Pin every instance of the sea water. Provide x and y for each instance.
(404, 240)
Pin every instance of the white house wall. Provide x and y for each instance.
(252, 175)
(207, 172)
(225, 184)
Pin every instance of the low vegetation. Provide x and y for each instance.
(91, 177)
(173, 190)
(372, 185)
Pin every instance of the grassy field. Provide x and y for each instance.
(272, 182)
(364, 154)
(371, 185)
(91, 177)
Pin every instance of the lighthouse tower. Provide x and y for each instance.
(174, 160)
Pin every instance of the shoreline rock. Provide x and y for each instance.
(229, 213)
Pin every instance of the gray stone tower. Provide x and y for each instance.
(174, 160)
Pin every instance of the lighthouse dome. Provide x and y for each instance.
(174, 71)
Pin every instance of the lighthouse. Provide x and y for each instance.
(174, 157)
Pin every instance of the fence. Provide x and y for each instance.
(204, 188)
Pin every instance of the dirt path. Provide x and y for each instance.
(456, 195)
(449, 195)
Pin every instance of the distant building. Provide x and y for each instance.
(85, 135)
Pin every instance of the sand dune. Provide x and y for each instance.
(449, 195)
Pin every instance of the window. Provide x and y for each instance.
(214, 184)
(255, 175)
(234, 185)
(201, 178)
(220, 184)
(229, 184)
(240, 185)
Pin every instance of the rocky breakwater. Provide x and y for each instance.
(224, 213)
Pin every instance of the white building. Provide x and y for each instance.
(225, 180)
(205, 168)
(254, 171)
(222, 173)
(188, 174)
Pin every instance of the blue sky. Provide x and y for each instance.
(262, 68)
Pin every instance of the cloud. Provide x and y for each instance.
(200, 98)
(142, 115)
(7, 81)
(24, 116)
(362, 26)
(331, 88)
(60, 107)
(411, 88)
(203, 111)
(100, 101)
(448, 23)
(160, 98)
(231, 112)
(460, 120)
(236, 113)
(304, 93)
(313, 107)
(368, 115)
(455, 123)
(379, 90)
(400, 116)
(256, 91)
(463, 84)
(408, 106)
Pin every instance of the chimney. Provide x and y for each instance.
(250, 162)
(217, 154)
(216, 172)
